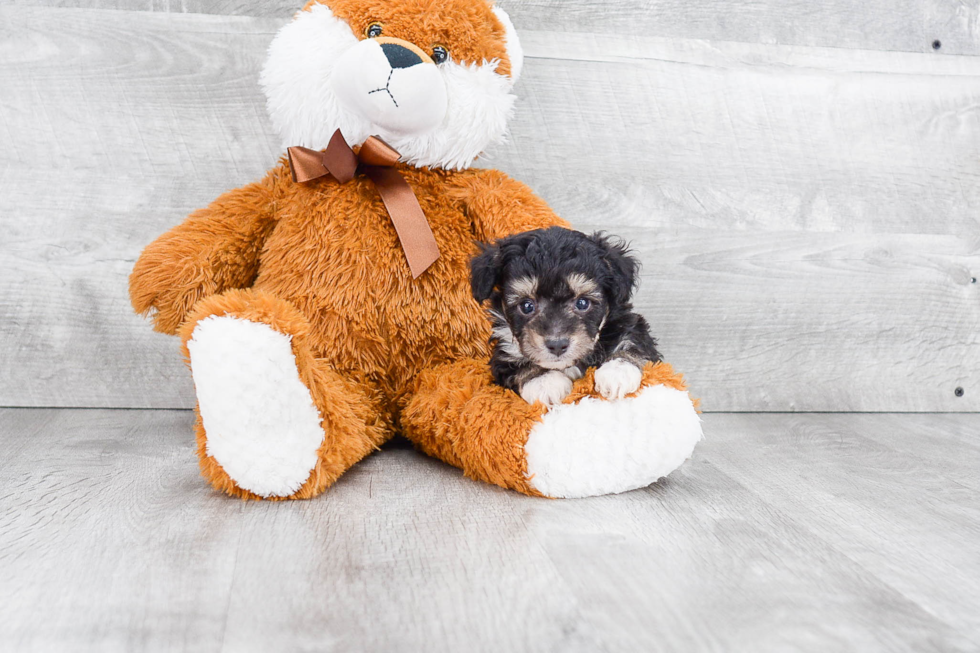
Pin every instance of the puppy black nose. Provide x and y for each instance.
(399, 56)
(557, 346)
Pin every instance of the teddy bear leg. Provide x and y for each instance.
(586, 446)
(273, 421)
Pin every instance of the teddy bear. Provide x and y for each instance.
(327, 307)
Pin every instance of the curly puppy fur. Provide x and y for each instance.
(560, 301)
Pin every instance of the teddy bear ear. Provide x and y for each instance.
(514, 51)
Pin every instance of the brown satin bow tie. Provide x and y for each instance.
(377, 160)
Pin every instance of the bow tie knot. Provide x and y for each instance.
(376, 159)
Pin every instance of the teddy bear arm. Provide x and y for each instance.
(585, 446)
(215, 249)
(456, 413)
(501, 206)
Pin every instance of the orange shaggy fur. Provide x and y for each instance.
(321, 262)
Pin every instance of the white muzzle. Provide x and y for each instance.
(392, 84)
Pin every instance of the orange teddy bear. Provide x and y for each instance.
(322, 312)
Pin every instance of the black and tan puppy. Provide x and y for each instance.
(560, 304)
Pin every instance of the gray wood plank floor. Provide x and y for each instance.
(803, 532)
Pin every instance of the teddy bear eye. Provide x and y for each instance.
(373, 30)
(440, 54)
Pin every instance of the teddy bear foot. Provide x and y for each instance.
(586, 446)
(596, 446)
(260, 420)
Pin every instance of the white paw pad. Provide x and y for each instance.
(617, 378)
(262, 426)
(549, 388)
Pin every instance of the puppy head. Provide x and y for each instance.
(432, 79)
(551, 291)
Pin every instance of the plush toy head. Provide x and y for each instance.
(433, 79)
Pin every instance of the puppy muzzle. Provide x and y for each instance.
(557, 351)
(393, 84)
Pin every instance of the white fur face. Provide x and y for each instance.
(407, 101)
(320, 77)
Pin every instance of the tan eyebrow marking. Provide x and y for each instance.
(581, 284)
(521, 288)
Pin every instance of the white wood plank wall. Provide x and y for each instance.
(898, 25)
(801, 179)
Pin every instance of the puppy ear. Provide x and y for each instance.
(485, 271)
(624, 269)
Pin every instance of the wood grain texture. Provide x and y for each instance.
(742, 137)
(887, 464)
(807, 216)
(812, 321)
(784, 532)
(903, 25)
(107, 535)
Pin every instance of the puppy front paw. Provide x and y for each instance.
(550, 388)
(617, 378)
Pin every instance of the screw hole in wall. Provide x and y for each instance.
(958, 392)
(937, 44)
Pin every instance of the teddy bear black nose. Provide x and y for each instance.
(557, 346)
(399, 56)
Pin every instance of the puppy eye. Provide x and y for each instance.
(440, 54)
(373, 30)
(582, 304)
(527, 307)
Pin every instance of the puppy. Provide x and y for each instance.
(560, 304)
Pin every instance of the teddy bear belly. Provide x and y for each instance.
(368, 317)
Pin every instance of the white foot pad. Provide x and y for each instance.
(598, 447)
(260, 420)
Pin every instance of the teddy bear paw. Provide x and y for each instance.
(595, 446)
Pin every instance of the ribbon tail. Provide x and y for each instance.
(413, 229)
